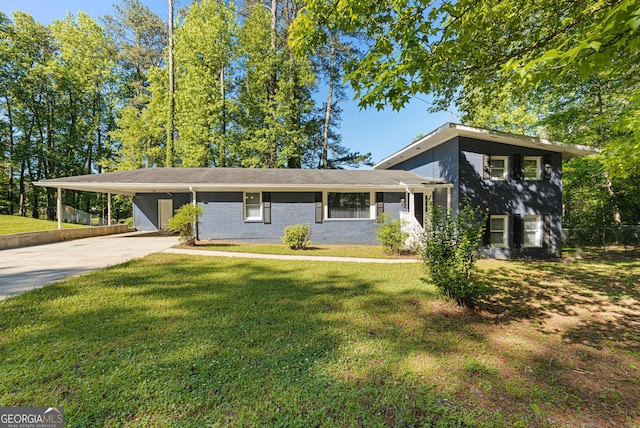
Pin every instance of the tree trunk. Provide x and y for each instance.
(50, 170)
(273, 152)
(22, 211)
(223, 121)
(11, 147)
(617, 216)
(170, 139)
(327, 113)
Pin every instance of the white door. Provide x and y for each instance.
(165, 212)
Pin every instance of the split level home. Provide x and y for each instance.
(517, 178)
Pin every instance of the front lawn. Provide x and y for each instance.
(199, 341)
(17, 224)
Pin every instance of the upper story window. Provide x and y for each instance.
(349, 205)
(532, 167)
(252, 206)
(499, 167)
(498, 231)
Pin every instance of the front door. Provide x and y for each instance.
(165, 212)
(418, 208)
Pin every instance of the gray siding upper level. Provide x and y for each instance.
(440, 162)
(461, 162)
(508, 196)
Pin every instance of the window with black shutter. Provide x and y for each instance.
(547, 231)
(517, 172)
(319, 208)
(266, 207)
(379, 203)
(546, 159)
(517, 231)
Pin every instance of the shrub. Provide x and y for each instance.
(390, 234)
(297, 236)
(449, 249)
(183, 222)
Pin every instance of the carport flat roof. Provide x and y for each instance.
(150, 180)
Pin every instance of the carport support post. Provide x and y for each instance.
(59, 208)
(108, 209)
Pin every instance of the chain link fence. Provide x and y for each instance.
(627, 237)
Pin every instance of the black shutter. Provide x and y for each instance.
(266, 207)
(546, 238)
(379, 203)
(517, 173)
(319, 208)
(486, 236)
(517, 231)
(486, 167)
(546, 170)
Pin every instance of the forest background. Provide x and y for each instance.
(83, 96)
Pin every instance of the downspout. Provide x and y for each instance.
(194, 202)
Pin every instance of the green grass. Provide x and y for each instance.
(361, 251)
(16, 224)
(171, 340)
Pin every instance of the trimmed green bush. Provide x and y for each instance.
(390, 234)
(297, 236)
(449, 249)
(183, 222)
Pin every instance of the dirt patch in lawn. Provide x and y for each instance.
(566, 338)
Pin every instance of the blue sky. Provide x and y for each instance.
(379, 132)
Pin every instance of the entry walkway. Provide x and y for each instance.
(23, 269)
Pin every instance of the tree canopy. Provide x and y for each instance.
(82, 96)
(564, 70)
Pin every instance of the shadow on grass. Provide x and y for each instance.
(175, 340)
(537, 291)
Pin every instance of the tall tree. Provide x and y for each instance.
(141, 38)
(272, 114)
(514, 65)
(205, 45)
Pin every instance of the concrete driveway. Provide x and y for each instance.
(23, 269)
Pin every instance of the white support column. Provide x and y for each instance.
(449, 198)
(412, 202)
(59, 208)
(108, 209)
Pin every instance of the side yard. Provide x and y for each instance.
(193, 341)
(16, 224)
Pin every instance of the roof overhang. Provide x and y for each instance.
(449, 131)
(132, 189)
(172, 180)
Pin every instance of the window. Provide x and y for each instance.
(532, 168)
(349, 205)
(252, 206)
(532, 231)
(499, 167)
(498, 231)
